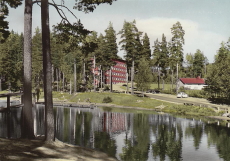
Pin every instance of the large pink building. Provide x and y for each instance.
(119, 73)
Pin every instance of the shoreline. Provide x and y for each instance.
(38, 150)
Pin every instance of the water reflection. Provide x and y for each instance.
(131, 136)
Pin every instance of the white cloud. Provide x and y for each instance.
(195, 38)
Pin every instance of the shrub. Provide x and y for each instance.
(106, 88)
(107, 100)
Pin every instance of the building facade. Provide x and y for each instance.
(117, 74)
(191, 83)
(118, 71)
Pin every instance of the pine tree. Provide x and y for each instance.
(189, 65)
(4, 32)
(198, 63)
(146, 52)
(37, 57)
(11, 61)
(176, 48)
(130, 43)
(144, 75)
(110, 43)
(218, 78)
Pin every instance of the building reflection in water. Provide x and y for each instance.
(130, 136)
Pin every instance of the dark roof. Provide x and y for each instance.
(197, 80)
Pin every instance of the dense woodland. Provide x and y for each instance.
(71, 53)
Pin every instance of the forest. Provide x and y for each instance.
(73, 53)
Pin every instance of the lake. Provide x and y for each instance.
(133, 135)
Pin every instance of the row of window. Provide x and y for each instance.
(121, 79)
(118, 69)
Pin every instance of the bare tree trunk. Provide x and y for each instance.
(70, 87)
(57, 79)
(127, 82)
(172, 80)
(63, 82)
(0, 84)
(47, 70)
(52, 73)
(27, 114)
(176, 78)
(132, 77)
(75, 76)
(158, 77)
(101, 76)
(94, 78)
(111, 80)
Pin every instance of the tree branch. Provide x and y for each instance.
(60, 11)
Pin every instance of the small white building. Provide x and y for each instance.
(191, 83)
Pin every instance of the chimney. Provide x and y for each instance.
(198, 77)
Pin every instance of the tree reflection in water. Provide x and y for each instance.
(168, 138)
(137, 146)
(131, 136)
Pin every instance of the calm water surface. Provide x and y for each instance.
(130, 136)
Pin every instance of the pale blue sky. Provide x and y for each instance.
(206, 22)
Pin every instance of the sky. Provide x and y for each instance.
(206, 22)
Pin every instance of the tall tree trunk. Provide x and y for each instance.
(177, 78)
(158, 77)
(111, 80)
(132, 77)
(75, 76)
(127, 82)
(57, 78)
(47, 70)
(27, 114)
(52, 73)
(70, 87)
(63, 82)
(94, 78)
(101, 77)
(172, 80)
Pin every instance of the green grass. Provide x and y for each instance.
(166, 86)
(119, 99)
(134, 101)
(2, 92)
(153, 86)
(190, 110)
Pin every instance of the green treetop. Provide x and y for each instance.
(176, 46)
(144, 75)
(146, 53)
(130, 40)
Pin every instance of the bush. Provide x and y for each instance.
(106, 88)
(107, 100)
(196, 93)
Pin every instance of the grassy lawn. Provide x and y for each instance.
(135, 101)
(166, 86)
(152, 86)
(119, 99)
(3, 92)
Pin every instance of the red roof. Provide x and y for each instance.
(197, 80)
